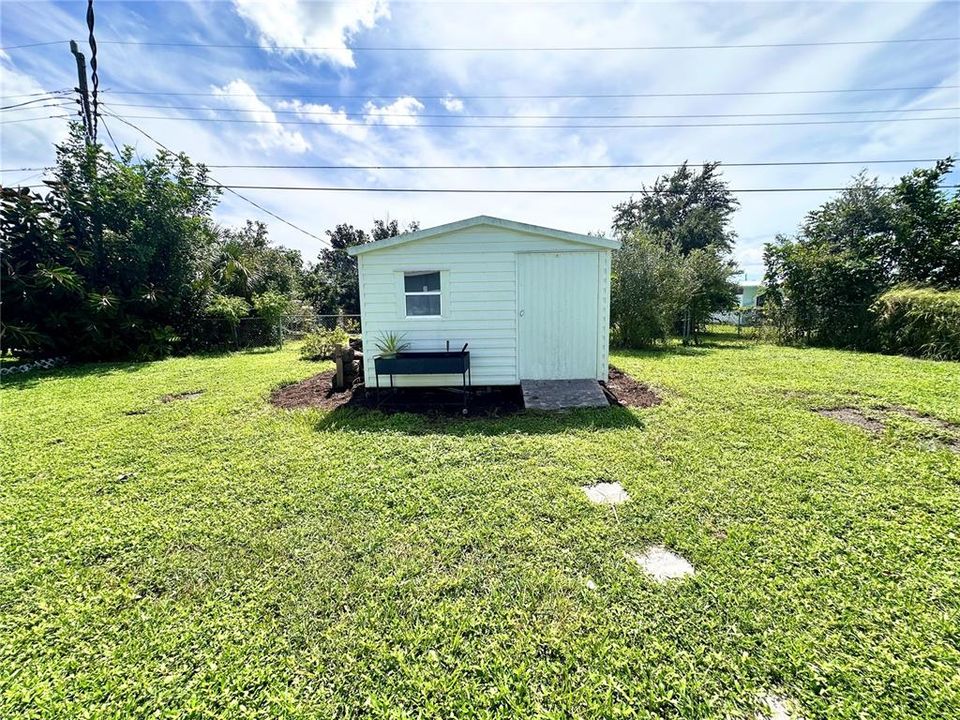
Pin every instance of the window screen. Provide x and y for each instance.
(422, 294)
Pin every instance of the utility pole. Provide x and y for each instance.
(82, 89)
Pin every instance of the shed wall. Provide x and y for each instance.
(479, 297)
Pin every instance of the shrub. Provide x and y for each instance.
(919, 321)
(230, 308)
(320, 345)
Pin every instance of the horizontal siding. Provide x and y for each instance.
(479, 300)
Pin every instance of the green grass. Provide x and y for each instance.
(217, 557)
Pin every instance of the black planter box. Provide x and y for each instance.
(424, 363)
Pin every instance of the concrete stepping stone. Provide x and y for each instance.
(662, 564)
(606, 493)
(776, 708)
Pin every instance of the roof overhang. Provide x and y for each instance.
(592, 240)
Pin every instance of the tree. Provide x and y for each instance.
(645, 294)
(129, 240)
(656, 290)
(332, 285)
(247, 264)
(823, 282)
(685, 210)
(926, 222)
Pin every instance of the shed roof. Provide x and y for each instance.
(485, 220)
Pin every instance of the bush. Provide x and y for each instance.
(653, 287)
(919, 321)
(320, 345)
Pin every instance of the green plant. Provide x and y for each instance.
(391, 343)
(321, 345)
(919, 321)
(271, 307)
(182, 559)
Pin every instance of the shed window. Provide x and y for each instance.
(422, 294)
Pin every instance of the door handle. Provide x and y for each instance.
(521, 313)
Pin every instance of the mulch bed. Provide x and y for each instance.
(317, 392)
(623, 390)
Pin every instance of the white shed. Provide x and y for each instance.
(531, 302)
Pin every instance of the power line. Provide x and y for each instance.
(369, 113)
(563, 48)
(613, 96)
(220, 185)
(32, 45)
(504, 191)
(535, 191)
(36, 94)
(34, 119)
(23, 105)
(593, 166)
(539, 127)
(590, 166)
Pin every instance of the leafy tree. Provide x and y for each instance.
(247, 264)
(685, 210)
(41, 290)
(926, 222)
(332, 285)
(824, 281)
(656, 290)
(645, 295)
(131, 240)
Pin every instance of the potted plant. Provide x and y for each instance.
(391, 343)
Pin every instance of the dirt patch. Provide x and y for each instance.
(921, 417)
(318, 392)
(621, 389)
(189, 395)
(852, 416)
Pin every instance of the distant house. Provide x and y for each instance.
(749, 298)
(750, 294)
(532, 303)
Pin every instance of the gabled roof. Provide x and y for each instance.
(485, 220)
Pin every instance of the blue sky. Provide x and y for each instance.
(276, 79)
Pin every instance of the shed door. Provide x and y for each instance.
(558, 315)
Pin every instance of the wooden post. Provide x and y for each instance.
(338, 381)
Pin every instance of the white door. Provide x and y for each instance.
(558, 319)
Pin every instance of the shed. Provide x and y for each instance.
(532, 303)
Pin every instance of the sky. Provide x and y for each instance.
(387, 82)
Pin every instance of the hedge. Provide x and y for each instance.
(919, 321)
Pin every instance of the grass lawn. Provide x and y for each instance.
(213, 556)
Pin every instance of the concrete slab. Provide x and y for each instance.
(777, 708)
(661, 564)
(606, 493)
(562, 394)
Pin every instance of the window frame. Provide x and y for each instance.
(438, 293)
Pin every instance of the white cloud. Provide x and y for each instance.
(402, 111)
(320, 30)
(28, 143)
(337, 120)
(452, 104)
(239, 95)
